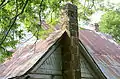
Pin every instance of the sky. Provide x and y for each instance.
(95, 18)
(114, 1)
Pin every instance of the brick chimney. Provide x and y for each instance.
(71, 55)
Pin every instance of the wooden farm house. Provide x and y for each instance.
(66, 54)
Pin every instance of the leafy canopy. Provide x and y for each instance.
(110, 23)
(17, 15)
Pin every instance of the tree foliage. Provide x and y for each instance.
(110, 23)
(14, 14)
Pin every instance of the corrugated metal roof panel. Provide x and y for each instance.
(25, 57)
(105, 53)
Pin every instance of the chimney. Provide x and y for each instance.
(96, 27)
(71, 54)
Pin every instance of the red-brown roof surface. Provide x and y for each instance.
(25, 57)
(105, 53)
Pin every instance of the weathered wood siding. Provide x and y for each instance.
(39, 76)
(51, 68)
(53, 65)
(86, 70)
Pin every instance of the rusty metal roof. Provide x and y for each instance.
(25, 57)
(105, 53)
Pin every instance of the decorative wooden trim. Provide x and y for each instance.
(39, 76)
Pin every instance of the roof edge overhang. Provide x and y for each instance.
(44, 55)
(56, 40)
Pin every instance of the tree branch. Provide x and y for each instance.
(38, 28)
(72, 1)
(93, 4)
(2, 2)
(5, 50)
(40, 11)
(84, 8)
(11, 24)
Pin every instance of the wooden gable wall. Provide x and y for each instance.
(86, 71)
(89, 65)
(50, 67)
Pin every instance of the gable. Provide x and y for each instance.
(86, 70)
(91, 62)
(53, 66)
(50, 66)
(52, 63)
(26, 57)
(88, 65)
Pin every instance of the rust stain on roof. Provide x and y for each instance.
(105, 53)
(25, 57)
